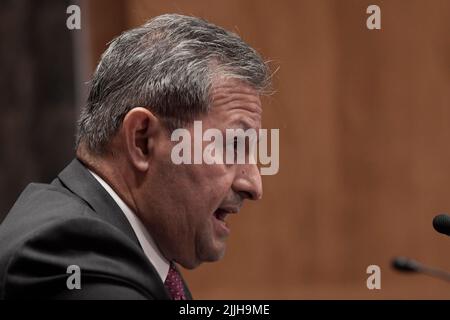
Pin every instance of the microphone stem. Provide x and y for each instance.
(435, 273)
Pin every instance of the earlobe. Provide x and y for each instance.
(140, 129)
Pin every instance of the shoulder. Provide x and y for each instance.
(47, 231)
(39, 207)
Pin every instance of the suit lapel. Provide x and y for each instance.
(77, 179)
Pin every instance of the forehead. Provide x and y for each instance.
(235, 101)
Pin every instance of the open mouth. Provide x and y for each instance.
(221, 214)
(220, 225)
(223, 211)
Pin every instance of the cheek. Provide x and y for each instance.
(210, 184)
(198, 188)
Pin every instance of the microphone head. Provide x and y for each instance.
(441, 223)
(405, 265)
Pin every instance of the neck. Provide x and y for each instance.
(111, 168)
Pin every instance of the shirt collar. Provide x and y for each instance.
(147, 243)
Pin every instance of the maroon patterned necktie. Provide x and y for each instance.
(174, 284)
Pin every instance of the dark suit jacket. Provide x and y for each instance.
(73, 221)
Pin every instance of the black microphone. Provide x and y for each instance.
(404, 264)
(441, 223)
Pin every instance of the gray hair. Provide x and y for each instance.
(166, 65)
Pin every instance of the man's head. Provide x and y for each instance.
(157, 78)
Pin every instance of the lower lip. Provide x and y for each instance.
(221, 227)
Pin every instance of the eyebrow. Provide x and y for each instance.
(242, 124)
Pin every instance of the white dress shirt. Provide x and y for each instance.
(145, 240)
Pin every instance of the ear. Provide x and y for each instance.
(140, 128)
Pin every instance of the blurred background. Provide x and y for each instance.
(364, 119)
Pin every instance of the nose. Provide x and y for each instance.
(248, 183)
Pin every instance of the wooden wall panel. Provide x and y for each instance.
(364, 126)
(37, 112)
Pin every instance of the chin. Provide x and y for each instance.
(189, 265)
(215, 254)
(210, 257)
(211, 253)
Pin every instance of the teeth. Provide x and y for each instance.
(220, 214)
